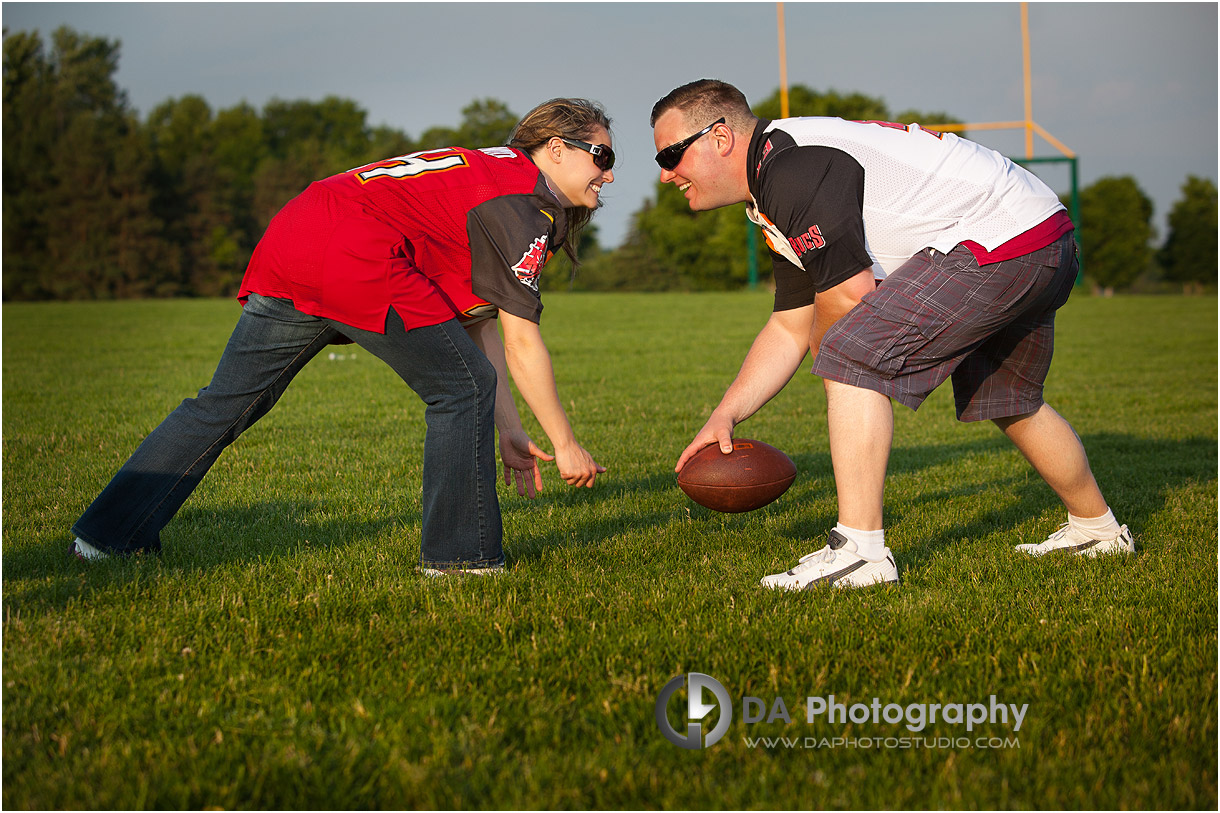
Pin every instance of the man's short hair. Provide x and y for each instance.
(704, 101)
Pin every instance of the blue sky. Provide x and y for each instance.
(1130, 87)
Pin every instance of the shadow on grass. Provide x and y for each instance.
(196, 540)
(1136, 475)
(1162, 465)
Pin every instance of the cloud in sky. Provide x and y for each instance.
(1131, 87)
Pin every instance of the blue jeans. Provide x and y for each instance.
(272, 342)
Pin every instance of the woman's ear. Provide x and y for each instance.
(554, 149)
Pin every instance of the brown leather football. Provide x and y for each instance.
(751, 476)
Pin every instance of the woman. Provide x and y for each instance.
(411, 258)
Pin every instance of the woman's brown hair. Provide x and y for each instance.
(563, 118)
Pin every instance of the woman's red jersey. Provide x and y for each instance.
(436, 235)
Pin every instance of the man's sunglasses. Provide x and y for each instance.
(671, 156)
(603, 156)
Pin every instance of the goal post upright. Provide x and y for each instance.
(1029, 126)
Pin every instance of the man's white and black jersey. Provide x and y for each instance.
(835, 197)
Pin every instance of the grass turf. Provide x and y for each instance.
(285, 652)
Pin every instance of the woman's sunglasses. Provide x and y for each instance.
(603, 156)
(671, 156)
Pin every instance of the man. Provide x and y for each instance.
(957, 260)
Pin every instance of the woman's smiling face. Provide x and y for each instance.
(576, 177)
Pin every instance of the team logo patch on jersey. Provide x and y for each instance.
(530, 265)
(766, 151)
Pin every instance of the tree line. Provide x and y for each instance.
(99, 204)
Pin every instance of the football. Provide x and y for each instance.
(751, 476)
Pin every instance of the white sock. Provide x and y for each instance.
(1103, 527)
(869, 544)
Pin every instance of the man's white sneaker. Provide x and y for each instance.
(837, 564)
(84, 550)
(436, 572)
(1072, 541)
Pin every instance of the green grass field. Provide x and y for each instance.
(285, 652)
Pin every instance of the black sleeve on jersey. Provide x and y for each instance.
(808, 186)
(794, 286)
(505, 257)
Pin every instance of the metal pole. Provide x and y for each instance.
(1029, 94)
(752, 248)
(783, 63)
(1076, 218)
(751, 229)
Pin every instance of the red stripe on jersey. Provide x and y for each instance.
(1040, 236)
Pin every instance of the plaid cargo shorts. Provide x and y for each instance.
(992, 328)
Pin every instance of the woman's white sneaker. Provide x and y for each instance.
(84, 550)
(490, 570)
(1072, 541)
(838, 565)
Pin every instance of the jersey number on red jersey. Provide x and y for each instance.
(418, 163)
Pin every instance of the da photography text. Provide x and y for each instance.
(706, 695)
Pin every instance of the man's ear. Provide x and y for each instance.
(725, 138)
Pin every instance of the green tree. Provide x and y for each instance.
(204, 183)
(931, 120)
(1115, 231)
(388, 142)
(557, 274)
(803, 101)
(633, 266)
(186, 189)
(77, 207)
(485, 123)
(97, 204)
(335, 126)
(306, 141)
(28, 149)
(106, 242)
(697, 250)
(1189, 255)
(239, 148)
